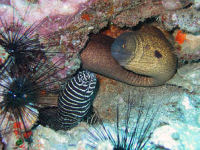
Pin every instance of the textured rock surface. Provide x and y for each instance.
(112, 92)
(188, 77)
(186, 19)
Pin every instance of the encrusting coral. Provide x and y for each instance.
(187, 24)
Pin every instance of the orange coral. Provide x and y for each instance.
(86, 17)
(180, 37)
(113, 31)
(17, 126)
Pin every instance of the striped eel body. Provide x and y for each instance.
(76, 99)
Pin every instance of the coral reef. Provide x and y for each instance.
(196, 4)
(187, 21)
(177, 134)
(141, 10)
(184, 134)
(178, 112)
(69, 28)
(46, 138)
(66, 29)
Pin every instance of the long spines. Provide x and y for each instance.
(20, 92)
(76, 99)
(132, 133)
(28, 71)
(20, 44)
(28, 74)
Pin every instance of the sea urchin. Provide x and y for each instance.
(130, 134)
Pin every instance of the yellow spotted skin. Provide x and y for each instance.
(150, 54)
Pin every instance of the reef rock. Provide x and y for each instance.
(186, 19)
(187, 45)
(188, 77)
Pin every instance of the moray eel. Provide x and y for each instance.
(76, 99)
(74, 102)
(140, 58)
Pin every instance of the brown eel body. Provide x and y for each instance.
(97, 57)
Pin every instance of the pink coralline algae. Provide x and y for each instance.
(55, 15)
(58, 14)
(175, 4)
(7, 2)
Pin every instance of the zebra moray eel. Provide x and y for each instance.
(74, 103)
(76, 99)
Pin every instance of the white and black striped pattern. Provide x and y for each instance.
(76, 99)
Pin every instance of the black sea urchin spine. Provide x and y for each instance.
(21, 90)
(126, 136)
(21, 44)
(28, 71)
(76, 99)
